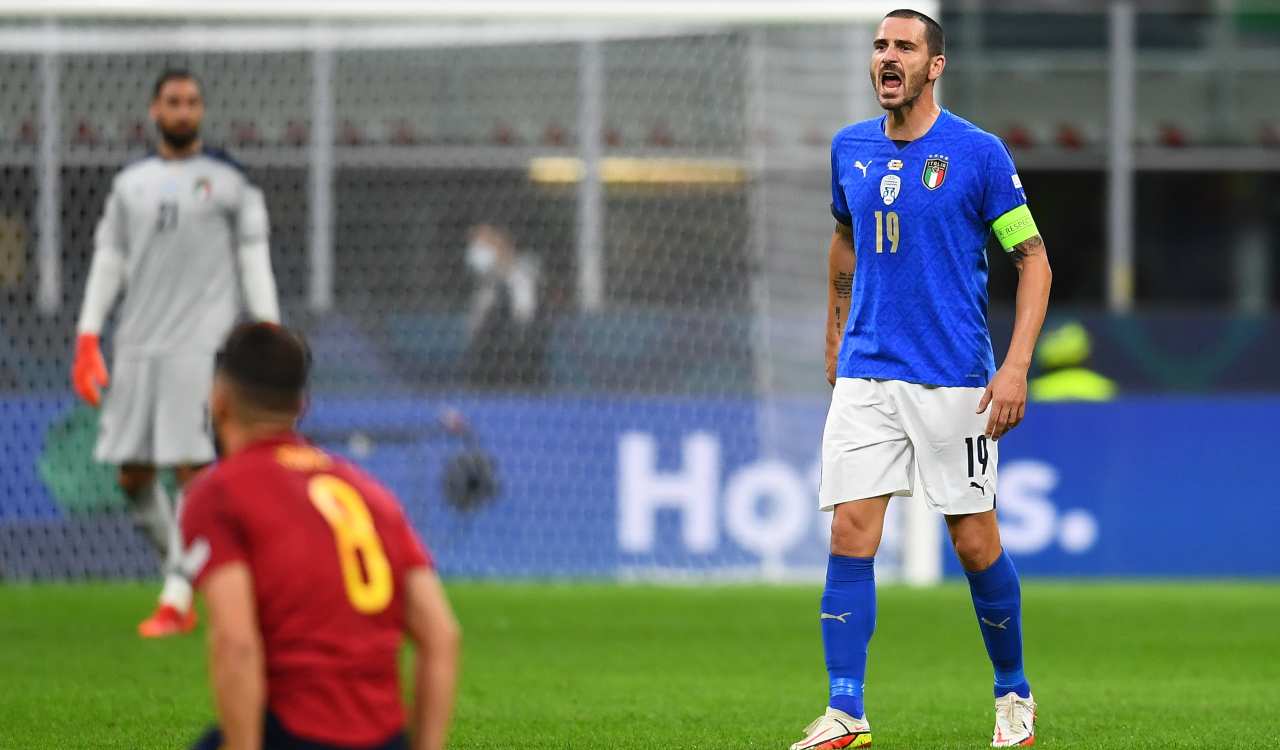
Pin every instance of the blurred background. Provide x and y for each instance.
(564, 272)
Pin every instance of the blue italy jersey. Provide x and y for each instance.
(921, 214)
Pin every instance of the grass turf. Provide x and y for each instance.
(1165, 665)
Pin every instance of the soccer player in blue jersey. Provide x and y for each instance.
(918, 403)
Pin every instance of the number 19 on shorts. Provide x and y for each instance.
(977, 454)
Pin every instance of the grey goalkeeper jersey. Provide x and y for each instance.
(177, 225)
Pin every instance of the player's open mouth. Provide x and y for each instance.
(890, 80)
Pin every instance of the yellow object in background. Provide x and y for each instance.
(1061, 355)
(1072, 384)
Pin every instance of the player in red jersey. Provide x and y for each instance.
(310, 574)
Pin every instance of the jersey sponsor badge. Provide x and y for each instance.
(890, 186)
(895, 165)
(935, 172)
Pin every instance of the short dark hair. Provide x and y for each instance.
(934, 39)
(268, 365)
(174, 74)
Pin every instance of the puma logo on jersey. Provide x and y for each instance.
(976, 486)
(1000, 625)
(826, 616)
(862, 166)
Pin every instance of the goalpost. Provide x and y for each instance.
(736, 101)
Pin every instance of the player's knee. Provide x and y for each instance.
(134, 479)
(975, 552)
(854, 537)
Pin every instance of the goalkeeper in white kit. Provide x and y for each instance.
(183, 235)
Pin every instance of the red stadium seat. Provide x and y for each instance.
(554, 135)
(245, 133)
(350, 134)
(296, 133)
(136, 133)
(504, 135)
(1171, 136)
(1019, 136)
(660, 135)
(86, 134)
(1069, 136)
(27, 134)
(402, 133)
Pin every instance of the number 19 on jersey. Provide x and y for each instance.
(887, 229)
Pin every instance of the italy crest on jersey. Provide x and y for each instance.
(935, 171)
(203, 189)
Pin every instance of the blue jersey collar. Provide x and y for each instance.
(942, 113)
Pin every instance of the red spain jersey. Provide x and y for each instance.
(328, 548)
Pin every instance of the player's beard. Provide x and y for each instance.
(913, 83)
(178, 140)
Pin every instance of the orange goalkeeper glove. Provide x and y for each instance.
(89, 370)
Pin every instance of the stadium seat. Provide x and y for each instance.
(296, 133)
(1171, 135)
(245, 133)
(86, 134)
(1069, 137)
(351, 134)
(401, 132)
(555, 135)
(1019, 136)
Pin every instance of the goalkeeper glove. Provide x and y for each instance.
(89, 370)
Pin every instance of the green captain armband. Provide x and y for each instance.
(1015, 226)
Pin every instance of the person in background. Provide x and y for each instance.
(1062, 357)
(505, 340)
(183, 239)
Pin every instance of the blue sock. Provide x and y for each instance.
(997, 600)
(848, 620)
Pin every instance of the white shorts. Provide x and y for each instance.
(887, 437)
(156, 411)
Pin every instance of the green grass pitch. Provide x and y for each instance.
(1168, 665)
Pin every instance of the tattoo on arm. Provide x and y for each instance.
(843, 283)
(1033, 245)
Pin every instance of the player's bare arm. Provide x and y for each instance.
(1031, 247)
(235, 656)
(1007, 392)
(840, 264)
(437, 638)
